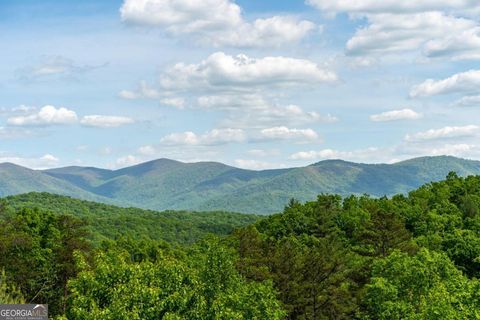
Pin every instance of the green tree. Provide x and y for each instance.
(385, 232)
(424, 286)
(205, 287)
(36, 249)
(8, 293)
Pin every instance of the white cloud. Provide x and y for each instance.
(144, 91)
(222, 71)
(356, 155)
(458, 150)
(403, 114)
(215, 22)
(127, 161)
(43, 162)
(256, 165)
(254, 111)
(462, 45)
(178, 103)
(434, 148)
(48, 115)
(435, 28)
(232, 102)
(390, 6)
(23, 109)
(180, 138)
(363, 62)
(468, 101)
(147, 150)
(54, 67)
(182, 15)
(101, 121)
(388, 33)
(213, 137)
(284, 133)
(468, 81)
(271, 32)
(391, 154)
(442, 133)
(10, 132)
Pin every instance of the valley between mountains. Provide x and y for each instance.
(205, 186)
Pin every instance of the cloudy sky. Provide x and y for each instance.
(254, 84)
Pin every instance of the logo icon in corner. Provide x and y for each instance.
(23, 312)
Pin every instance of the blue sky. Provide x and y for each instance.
(254, 84)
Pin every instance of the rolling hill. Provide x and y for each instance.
(167, 184)
(111, 222)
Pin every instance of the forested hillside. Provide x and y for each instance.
(111, 222)
(209, 186)
(414, 256)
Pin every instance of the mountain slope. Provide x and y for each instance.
(166, 184)
(111, 222)
(16, 179)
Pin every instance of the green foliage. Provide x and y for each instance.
(8, 293)
(424, 286)
(414, 256)
(408, 257)
(109, 222)
(36, 250)
(116, 288)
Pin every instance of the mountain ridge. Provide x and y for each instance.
(169, 184)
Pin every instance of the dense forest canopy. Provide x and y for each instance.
(110, 222)
(414, 256)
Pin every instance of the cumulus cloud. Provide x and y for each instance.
(390, 6)
(390, 154)
(126, 161)
(284, 133)
(48, 115)
(147, 150)
(256, 165)
(406, 32)
(432, 148)
(43, 162)
(144, 91)
(434, 28)
(222, 71)
(101, 121)
(460, 149)
(255, 111)
(468, 81)
(461, 45)
(468, 101)
(221, 78)
(239, 85)
(403, 114)
(356, 155)
(215, 22)
(178, 103)
(442, 133)
(213, 137)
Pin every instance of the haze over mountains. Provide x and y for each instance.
(168, 184)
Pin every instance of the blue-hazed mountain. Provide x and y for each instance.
(167, 184)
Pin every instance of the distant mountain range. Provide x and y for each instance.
(168, 184)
